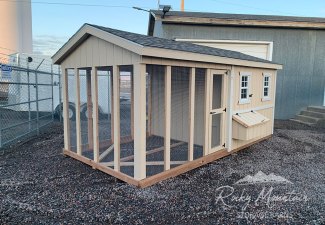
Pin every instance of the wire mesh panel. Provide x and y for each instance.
(105, 92)
(155, 118)
(126, 119)
(199, 112)
(71, 110)
(86, 117)
(179, 115)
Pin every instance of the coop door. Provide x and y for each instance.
(217, 111)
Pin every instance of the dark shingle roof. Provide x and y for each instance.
(156, 42)
(241, 16)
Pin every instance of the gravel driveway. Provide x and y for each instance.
(277, 181)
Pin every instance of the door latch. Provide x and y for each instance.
(225, 110)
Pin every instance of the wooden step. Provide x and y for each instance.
(313, 114)
(320, 109)
(307, 119)
(302, 122)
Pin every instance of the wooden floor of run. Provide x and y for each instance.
(163, 175)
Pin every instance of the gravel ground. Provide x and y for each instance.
(40, 186)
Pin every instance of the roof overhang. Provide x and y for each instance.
(189, 56)
(83, 33)
(86, 30)
(195, 20)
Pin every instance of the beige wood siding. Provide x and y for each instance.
(97, 52)
(256, 88)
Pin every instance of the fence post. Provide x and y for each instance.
(28, 88)
(37, 106)
(52, 92)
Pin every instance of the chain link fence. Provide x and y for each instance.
(30, 96)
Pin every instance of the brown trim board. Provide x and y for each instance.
(164, 175)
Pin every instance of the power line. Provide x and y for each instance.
(73, 4)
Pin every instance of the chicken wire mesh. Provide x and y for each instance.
(27, 101)
(179, 116)
(155, 114)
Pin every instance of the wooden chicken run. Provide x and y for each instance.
(144, 109)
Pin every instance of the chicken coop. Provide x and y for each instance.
(166, 106)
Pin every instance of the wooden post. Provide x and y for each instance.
(206, 112)
(89, 111)
(191, 114)
(77, 106)
(274, 95)
(139, 121)
(116, 116)
(112, 107)
(132, 104)
(66, 122)
(149, 104)
(94, 94)
(230, 96)
(168, 72)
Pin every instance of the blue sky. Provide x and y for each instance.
(53, 24)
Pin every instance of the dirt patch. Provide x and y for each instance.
(40, 186)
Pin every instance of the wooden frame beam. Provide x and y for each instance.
(116, 116)
(149, 103)
(132, 104)
(139, 88)
(106, 152)
(127, 158)
(112, 105)
(77, 107)
(89, 110)
(149, 163)
(231, 75)
(187, 166)
(65, 98)
(191, 114)
(206, 143)
(168, 72)
(94, 94)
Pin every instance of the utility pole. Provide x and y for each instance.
(182, 5)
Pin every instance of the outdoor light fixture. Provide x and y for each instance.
(138, 8)
(165, 10)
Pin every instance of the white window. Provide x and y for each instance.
(244, 88)
(266, 87)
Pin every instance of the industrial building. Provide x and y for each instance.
(298, 43)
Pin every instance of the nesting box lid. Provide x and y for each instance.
(249, 119)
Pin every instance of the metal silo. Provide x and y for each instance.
(15, 27)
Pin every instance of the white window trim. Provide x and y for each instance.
(268, 97)
(246, 100)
